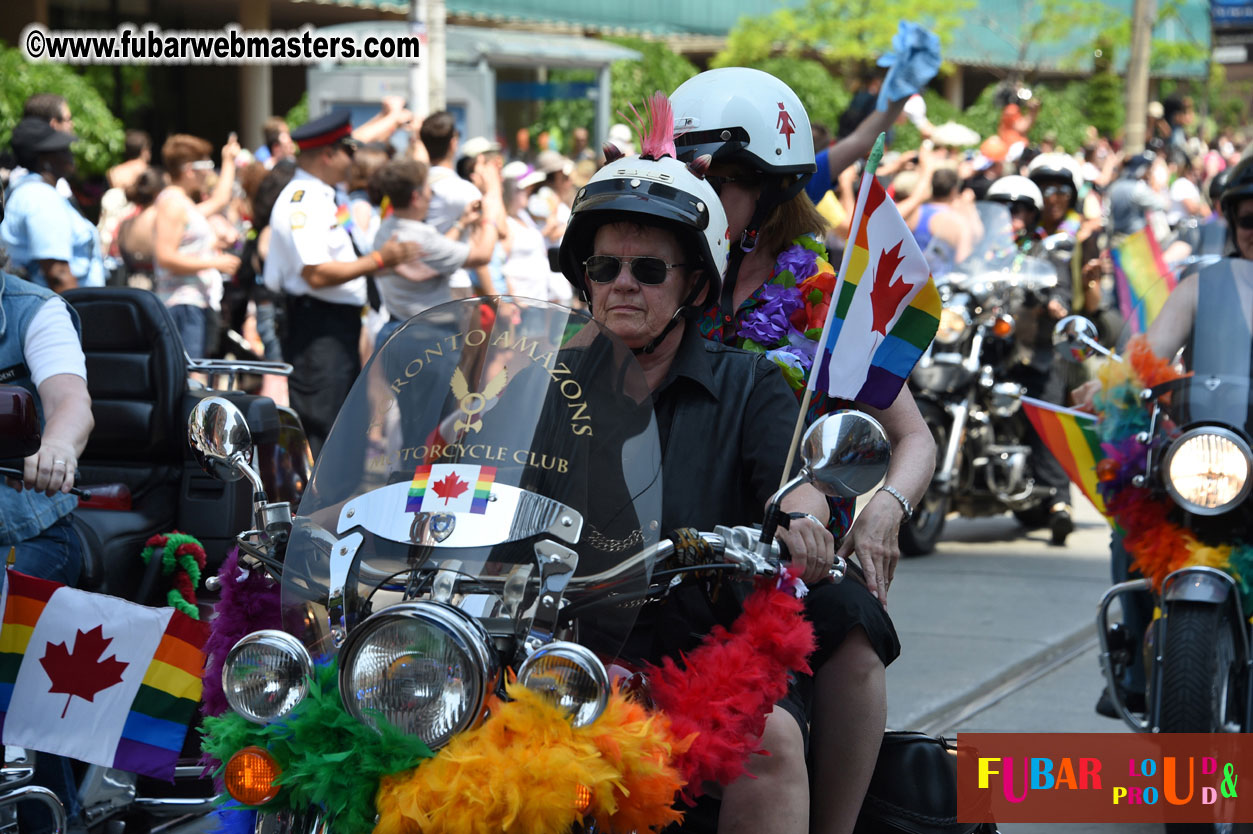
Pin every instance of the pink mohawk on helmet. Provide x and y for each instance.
(655, 128)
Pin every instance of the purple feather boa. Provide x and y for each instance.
(246, 606)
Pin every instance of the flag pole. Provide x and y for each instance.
(872, 165)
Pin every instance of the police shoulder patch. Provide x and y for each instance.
(297, 219)
(298, 195)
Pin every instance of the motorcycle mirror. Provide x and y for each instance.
(19, 423)
(845, 454)
(219, 435)
(1075, 339)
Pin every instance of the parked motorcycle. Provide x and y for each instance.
(137, 479)
(489, 499)
(1177, 478)
(994, 306)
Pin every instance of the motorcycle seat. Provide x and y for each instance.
(137, 378)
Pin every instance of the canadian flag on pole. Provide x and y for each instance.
(885, 308)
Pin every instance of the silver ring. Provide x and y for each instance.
(56, 461)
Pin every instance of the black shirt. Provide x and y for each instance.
(725, 417)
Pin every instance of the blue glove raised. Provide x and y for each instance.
(914, 61)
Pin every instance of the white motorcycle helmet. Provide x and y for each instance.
(1056, 168)
(659, 192)
(745, 115)
(1016, 189)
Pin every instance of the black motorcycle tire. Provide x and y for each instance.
(920, 534)
(1197, 679)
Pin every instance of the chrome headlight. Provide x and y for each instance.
(1207, 470)
(953, 325)
(266, 674)
(571, 677)
(424, 667)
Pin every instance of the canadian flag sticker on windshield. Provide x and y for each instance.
(450, 488)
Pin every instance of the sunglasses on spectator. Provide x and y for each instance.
(1245, 222)
(202, 165)
(604, 269)
(1050, 190)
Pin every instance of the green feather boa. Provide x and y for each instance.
(329, 759)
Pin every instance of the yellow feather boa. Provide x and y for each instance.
(523, 769)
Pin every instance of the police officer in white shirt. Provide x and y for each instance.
(313, 262)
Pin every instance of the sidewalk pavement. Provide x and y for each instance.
(988, 605)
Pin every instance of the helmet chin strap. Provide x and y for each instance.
(687, 310)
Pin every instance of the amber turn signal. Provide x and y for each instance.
(251, 776)
(582, 798)
(1003, 327)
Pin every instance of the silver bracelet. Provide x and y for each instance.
(896, 493)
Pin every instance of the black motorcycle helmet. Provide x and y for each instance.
(1239, 187)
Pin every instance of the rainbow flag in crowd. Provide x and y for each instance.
(1142, 279)
(450, 488)
(1071, 436)
(886, 307)
(343, 217)
(97, 678)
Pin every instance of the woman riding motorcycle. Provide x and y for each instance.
(757, 136)
(646, 244)
(1025, 202)
(1168, 333)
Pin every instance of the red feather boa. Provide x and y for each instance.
(729, 685)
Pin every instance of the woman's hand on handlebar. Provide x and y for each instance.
(811, 546)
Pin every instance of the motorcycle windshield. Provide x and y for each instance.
(482, 431)
(995, 257)
(1204, 325)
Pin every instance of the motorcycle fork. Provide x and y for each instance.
(946, 477)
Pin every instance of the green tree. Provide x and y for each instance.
(630, 82)
(99, 133)
(846, 33)
(1104, 104)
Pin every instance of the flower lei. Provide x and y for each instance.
(792, 307)
(1157, 545)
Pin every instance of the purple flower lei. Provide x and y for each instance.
(768, 326)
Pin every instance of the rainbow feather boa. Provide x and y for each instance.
(523, 768)
(1157, 545)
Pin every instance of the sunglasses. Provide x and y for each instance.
(604, 269)
(747, 181)
(202, 165)
(1245, 222)
(1050, 190)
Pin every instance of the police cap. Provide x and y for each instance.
(323, 131)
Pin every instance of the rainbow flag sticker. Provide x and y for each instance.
(450, 488)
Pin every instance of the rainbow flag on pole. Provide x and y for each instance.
(1141, 278)
(886, 308)
(97, 678)
(1071, 436)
